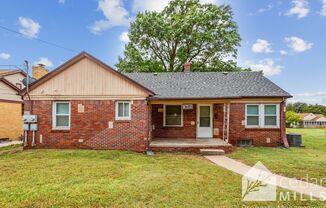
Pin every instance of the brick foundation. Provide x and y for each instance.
(227, 149)
(89, 129)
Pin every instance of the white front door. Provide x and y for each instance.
(204, 121)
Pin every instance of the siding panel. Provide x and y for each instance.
(87, 79)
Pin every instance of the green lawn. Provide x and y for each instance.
(82, 178)
(11, 147)
(294, 162)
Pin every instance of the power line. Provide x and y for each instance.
(40, 40)
(10, 66)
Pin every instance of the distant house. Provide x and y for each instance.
(11, 104)
(85, 103)
(310, 120)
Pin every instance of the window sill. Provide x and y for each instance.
(262, 128)
(122, 121)
(60, 130)
(172, 126)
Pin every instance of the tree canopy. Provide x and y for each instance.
(185, 31)
(300, 107)
(292, 118)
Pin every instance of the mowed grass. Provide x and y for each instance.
(11, 147)
(85, 178)
(304, 163)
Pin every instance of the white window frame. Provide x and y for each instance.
(54, 116)
(120, 118)
(261, 112)
(164, 115)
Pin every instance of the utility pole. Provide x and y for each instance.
(27, 86)
(27, 76)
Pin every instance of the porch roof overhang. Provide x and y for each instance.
(265, 99)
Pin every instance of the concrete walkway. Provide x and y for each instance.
(6, 144)
(281, 181)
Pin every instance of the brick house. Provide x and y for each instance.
(84, 103)
(310, 120)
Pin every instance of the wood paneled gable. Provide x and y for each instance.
(86, 77)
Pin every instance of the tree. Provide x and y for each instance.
(292, 118)
(300, 107)
(185, 31)
(297, 107)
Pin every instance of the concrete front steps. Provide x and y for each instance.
(212, 152)
(199, 146)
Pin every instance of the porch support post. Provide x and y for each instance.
(226, 121)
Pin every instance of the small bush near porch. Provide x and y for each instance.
(82, 178)
(296, 162)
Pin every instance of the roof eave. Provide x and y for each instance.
(215, 98)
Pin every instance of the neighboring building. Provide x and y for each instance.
(11, 104)
(86, 104)
(310, 120)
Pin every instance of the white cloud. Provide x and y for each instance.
(5, 56)
(149, 5)
(311, 98)
(323, 9)
(262, 10)
(29, 27)
(268, 67)
(297, 44)
(283, 52)
(265, 9)
(45, 61)
(124, 37)
(261, 46)
(62, 1)
(158, 5)
(300, 8)
(208, 1)
(115, 15)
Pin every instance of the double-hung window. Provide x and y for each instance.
(253, 115)
(61, 115)
(270, 115)
(173, 115)
(262, 115)
(123, 110)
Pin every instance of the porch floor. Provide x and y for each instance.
(192, 143)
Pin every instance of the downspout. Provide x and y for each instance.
(283, 128)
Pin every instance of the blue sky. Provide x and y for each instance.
(285, 39)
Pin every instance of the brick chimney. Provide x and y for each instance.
(39, 71)
(186, 67)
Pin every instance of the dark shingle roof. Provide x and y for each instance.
(196, 85)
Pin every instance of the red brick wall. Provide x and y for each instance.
(91, 126)
(187, 131)
(237, 130)
(258, 135)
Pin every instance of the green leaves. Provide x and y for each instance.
(185, 30)
(292, 118)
